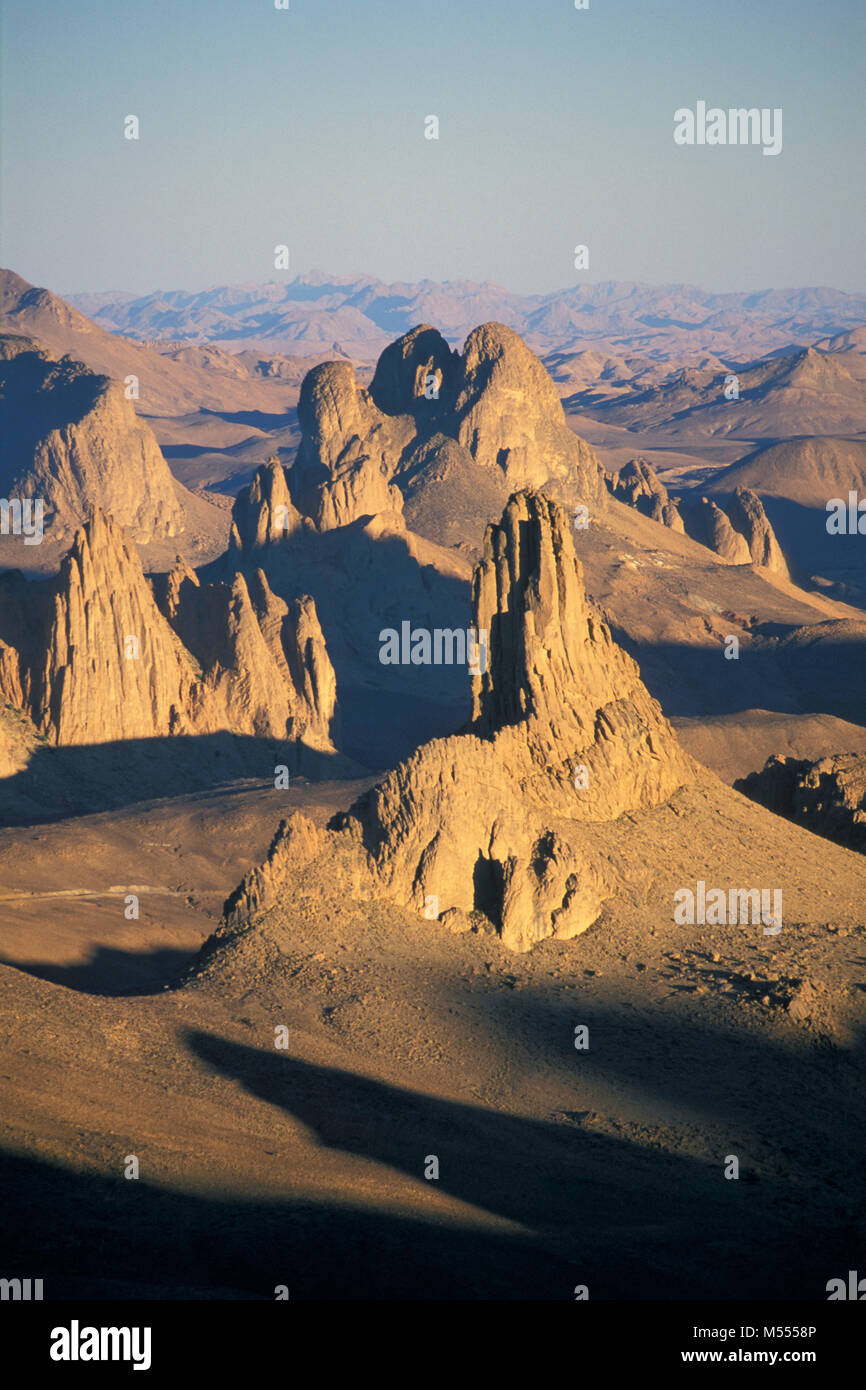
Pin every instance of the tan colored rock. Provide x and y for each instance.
(637, 485)
(99, 655)
(72, 438)
(252, 650)
(168, 588)
(747, 516)
(707, 523)
(295, 844)
(312, 675)
(349, 450)
(495, 823)
(111, 667)
(264, 513)
(430, 416)
(510, 417)
(555, 673)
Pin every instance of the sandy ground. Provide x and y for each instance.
(305, 1166)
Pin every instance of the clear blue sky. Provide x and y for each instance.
(306, 127)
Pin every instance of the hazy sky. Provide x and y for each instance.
(306, 127)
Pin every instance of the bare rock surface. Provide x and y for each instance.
(491, 823)
(494, 407)
(827, 795)
(637, 485)
(747, 516)
(72, 438)
(100, 654)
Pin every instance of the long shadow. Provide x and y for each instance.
(258, 419)
(98, 1237)
(785, 674)
(639, 1222)
(361, 585)
(112, 973)
(808, 546)
(58, 783)
(811, 1090)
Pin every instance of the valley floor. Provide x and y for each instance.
(305, 1166)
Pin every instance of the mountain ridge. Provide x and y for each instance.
(365, 313)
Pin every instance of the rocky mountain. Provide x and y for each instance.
(799, 482)
(100, 654)
(492, 822)
(795, 392)
(360, 315)
(826, 795)
(637, 485)
(740, 535)
(749, 519)
(434, 421)
(175, 378)
(215, 415)
(72, 438)
(388, 483)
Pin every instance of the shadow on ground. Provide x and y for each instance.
(82, 779)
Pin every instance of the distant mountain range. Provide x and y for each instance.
(358, 317)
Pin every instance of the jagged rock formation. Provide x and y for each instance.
(747, 516)
(431, 414)
(494, 823)
(637, 485)
(511, 418)
(741, 534)
(348, 452)
(99, 654)
(264, 512)
(706, 523)
(828, 797)
(72, 438)
(108, 667)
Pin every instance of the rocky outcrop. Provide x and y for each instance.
(100, 655)
(828, 796)
(349, 450)
(741, 534)
(706, 523)
(747, 516)
(108, 667)
(555, 675)
(264, 513)
(295, 844)
(72, 439)
(432, 421)
(493, 827)
(509, 417)
(562, 731)
(637, 485)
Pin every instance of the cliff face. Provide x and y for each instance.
(740, 534)
(100, 654)
(72, 438)
(264, 512)
(109, 667)
(637, 485)
(747, 516)
(433, 422)
(510, 417)
(557, 686)
(496, 824)
(827, 796)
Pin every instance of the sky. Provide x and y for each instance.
(306, 128)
